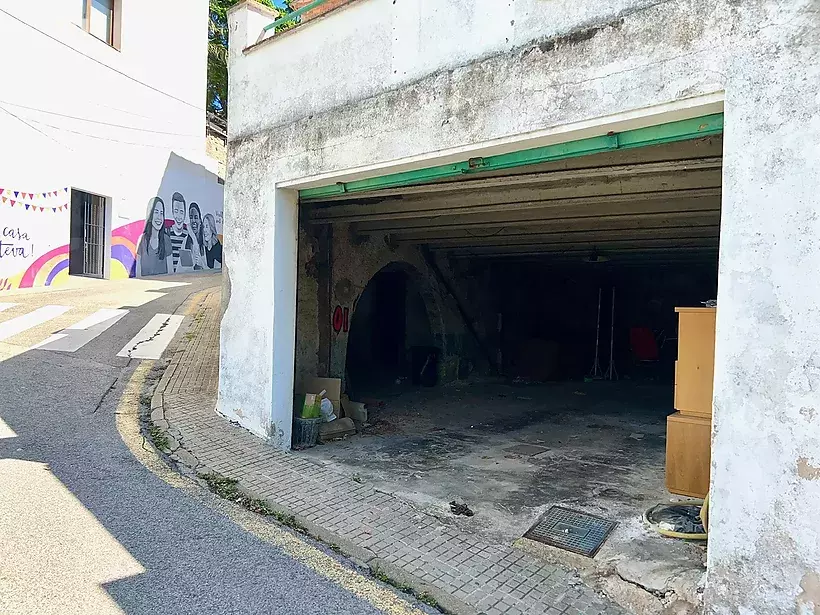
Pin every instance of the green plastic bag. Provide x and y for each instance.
(312, 408)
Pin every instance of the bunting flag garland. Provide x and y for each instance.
(37, 201)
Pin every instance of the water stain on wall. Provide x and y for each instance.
(808, 600)
(808, 471)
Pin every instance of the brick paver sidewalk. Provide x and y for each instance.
(461, 571)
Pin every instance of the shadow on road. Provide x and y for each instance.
(86, 528)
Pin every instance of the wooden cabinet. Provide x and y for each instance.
(688, 454)
(689, 430)
(695, 367)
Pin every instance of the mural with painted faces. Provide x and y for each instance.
(213, 248)
(158, 217)
(178, 210)
(191, 243)
(195, 222)
(209, 235)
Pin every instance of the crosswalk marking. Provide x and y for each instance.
(32, 319)
(99, 317)
(149, 343)
(6, 431)
(153, 338)
(79, 334)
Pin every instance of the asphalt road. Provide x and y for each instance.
(85, 527)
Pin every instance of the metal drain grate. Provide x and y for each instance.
(571, 530)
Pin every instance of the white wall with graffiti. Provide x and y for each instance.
(125, 124)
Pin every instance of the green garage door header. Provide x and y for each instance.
(640, 137)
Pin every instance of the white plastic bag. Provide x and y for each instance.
(327, 410)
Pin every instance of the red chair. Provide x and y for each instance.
(643, 343)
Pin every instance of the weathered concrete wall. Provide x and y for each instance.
(613, 68)
(257, 351)
(307, 311)
(765, 557)
(217, 149)
(366, 85)
(357, 259)
(374, 46)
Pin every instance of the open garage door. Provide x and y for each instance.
(578, 267)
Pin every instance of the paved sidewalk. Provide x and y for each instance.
(461, 571)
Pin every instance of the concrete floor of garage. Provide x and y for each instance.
(598, 447)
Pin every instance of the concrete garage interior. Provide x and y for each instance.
(477, 356)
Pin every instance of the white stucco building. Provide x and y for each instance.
(355, 120)
(102, 110)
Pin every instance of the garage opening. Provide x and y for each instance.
(390, 340)
(576, 274)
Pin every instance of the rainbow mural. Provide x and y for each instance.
(33, 222)
(51, 269)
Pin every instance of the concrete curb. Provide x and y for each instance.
(368, 559)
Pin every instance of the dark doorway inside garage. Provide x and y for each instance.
(389, 326)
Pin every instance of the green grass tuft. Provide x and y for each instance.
(158, 437)
(406, 589)
(228, 489)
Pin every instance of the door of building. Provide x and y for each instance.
(87, 247)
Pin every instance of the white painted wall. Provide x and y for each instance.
(75, 112)
(378, 86)
(375, 45)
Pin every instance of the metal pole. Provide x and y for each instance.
(293, 15)
(611, 372)
(596, 366)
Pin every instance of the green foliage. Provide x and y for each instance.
(405, 588)
(228, 489)
(158, 437)
(217, 95)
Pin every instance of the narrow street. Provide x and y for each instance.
(85, 527)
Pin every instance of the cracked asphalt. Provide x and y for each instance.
(85, 527)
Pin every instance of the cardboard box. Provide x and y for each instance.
(333, 386)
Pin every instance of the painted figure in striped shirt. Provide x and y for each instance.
(178, 231)
(184, 245)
